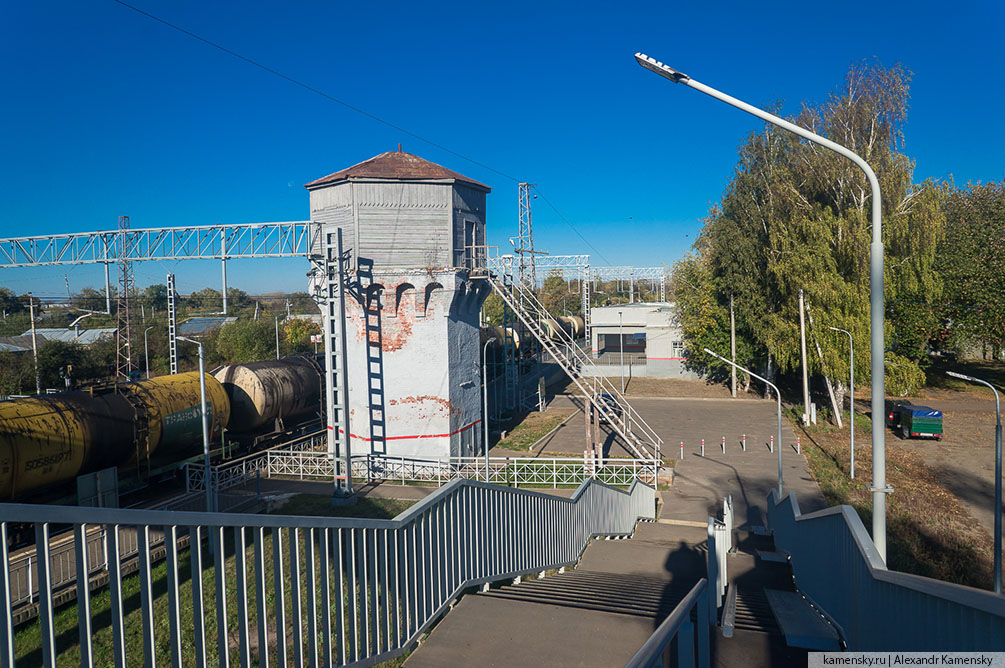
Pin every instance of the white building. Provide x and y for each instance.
(647, 336)
(413, 342)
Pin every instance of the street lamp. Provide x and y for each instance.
(998, 477)
(621, 348)
(879, 486)
(485, 399)
(146, 350)
(779, 396)
(851, 383)
(208, 484)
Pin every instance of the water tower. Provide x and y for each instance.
(412, 330)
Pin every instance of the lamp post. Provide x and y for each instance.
(779, 396)
(851, 391)
(205, 425)
(621, 348)
(998, 477)
(485, 400)
(146, 350)
(879, 486)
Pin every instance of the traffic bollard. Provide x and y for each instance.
(682, 449)
(771, 444)
(744, 442)
(799, 447)
(702, 447)
(723, 445)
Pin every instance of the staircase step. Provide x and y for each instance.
(801, 623)
(777, 557)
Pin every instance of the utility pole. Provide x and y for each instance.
(732, 348)
(34, 344)
(123, 352)
(802, 350)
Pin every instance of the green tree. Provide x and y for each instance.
(972, 262)
(296, 335)
(244, 341)
(156, 296)
(555, 294)
(11, 303)
(302, 303)
(89, 299)
(493, 309)
(206, 299)
(796, 216)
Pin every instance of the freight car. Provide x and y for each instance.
(263, 392)
(48, 440)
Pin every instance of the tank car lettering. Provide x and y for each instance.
(48, 460)
(185, 425)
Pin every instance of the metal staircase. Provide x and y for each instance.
(638, 436)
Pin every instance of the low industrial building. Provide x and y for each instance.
(641, 339)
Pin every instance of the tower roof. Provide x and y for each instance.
(395, 166)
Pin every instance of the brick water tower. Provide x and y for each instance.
(414, 228)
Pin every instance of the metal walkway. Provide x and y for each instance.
(606, 399)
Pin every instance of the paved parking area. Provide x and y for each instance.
(701, 482)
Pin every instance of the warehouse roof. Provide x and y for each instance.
(394, 166)
(83, 336)
(202, 325)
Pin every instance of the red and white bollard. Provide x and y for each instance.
(799, 447)
(771, 444)
(682, 449)
(744, 442)
(723, 445)
(702, 447)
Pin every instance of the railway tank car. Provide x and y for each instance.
(48, 440)
(274, 390)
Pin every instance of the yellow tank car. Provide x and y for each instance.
(172, 403)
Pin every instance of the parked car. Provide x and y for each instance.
(912, 421)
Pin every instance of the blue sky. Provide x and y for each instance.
(106, 112)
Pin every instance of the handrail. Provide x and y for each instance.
(835, 562)
(392, 578)
(652, 651)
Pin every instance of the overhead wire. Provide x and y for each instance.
(358, 110)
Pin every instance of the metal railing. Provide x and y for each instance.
(614, 359)
(238, 471)
(340, 591)
(515, 471)
(836, 564)
(636, 432)
(693, 649)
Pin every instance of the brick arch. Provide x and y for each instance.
(427, 294)
(401, 294)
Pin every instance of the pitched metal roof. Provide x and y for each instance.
(203, 324)
(395, 166)
(83, 336)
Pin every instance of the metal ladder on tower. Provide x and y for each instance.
(172, 325)
(333, 267)
(638, 436)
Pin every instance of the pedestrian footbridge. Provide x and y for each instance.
(481, 574)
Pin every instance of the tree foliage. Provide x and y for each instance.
(797, 216)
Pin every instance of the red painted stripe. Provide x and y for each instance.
(400, 438)
(676, 359)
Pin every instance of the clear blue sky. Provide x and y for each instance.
(106, 112)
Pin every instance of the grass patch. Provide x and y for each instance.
(989, 370)
(319, 505)
(528, 431)
(27, 640)
(929, 532)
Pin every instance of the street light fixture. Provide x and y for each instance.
(879, 486)
(998, 477)
(208, 484)
(146, 350)
(485, 399)
(851, 391)
(779, 396)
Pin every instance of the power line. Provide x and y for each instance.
(312, 89)
(358, 110)
(571, 226)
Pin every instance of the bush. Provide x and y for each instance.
(903, 377)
